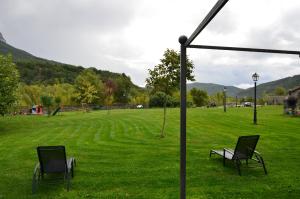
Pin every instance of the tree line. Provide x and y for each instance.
(92, 88)
(89, 88)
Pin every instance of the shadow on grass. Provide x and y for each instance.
(53, 183)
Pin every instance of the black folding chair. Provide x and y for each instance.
(244, 150)
(52, 160)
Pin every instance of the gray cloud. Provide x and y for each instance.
(54, 25)
(225, 23)
(282, 34)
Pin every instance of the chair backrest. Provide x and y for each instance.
(245, 147)
(52, 159)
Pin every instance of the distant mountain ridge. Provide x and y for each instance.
(211, 88)
(269, 87)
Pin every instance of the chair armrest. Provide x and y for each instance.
(228, 150)
(258, 155)
(71, 162)
(256, 152)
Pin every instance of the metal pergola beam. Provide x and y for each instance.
(258, 50)
(212, 13)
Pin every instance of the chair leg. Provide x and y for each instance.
(72, 170)
(238, 163)
(34, 186)
(68, 181)
(263, 163)
(210, 153)
(35, 180)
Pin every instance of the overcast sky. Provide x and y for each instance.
(130, 36)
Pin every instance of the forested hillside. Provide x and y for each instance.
(269, 87)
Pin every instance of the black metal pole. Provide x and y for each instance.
(224, 100)
(212, 13)
(255, 114)
(182, 40)
(257, 50)
(236, 101)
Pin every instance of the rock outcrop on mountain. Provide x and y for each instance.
(2, 38)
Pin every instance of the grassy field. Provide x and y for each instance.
(120, 155)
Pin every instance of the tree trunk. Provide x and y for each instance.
(162, 134)
(48, 111)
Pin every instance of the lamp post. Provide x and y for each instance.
(255, 77)
(224, 98)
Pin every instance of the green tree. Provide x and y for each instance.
(30, 94)
(217, 98)
(176, 99)
(140, 98)
(279, 90)
(57, 100)
(47, 101)
(123, 89)
(200, 97)
(160, 99)
(9, 81)
(88, 87)
(165, 77)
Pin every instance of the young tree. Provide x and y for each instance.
(165, 77)
(9, 81)
(200, 97)
(89, 87)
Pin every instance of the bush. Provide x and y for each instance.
(157, 100)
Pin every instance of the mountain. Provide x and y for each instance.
(34, 70)
(269, 87)
(211, 88)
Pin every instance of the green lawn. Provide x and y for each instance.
(120, 155)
